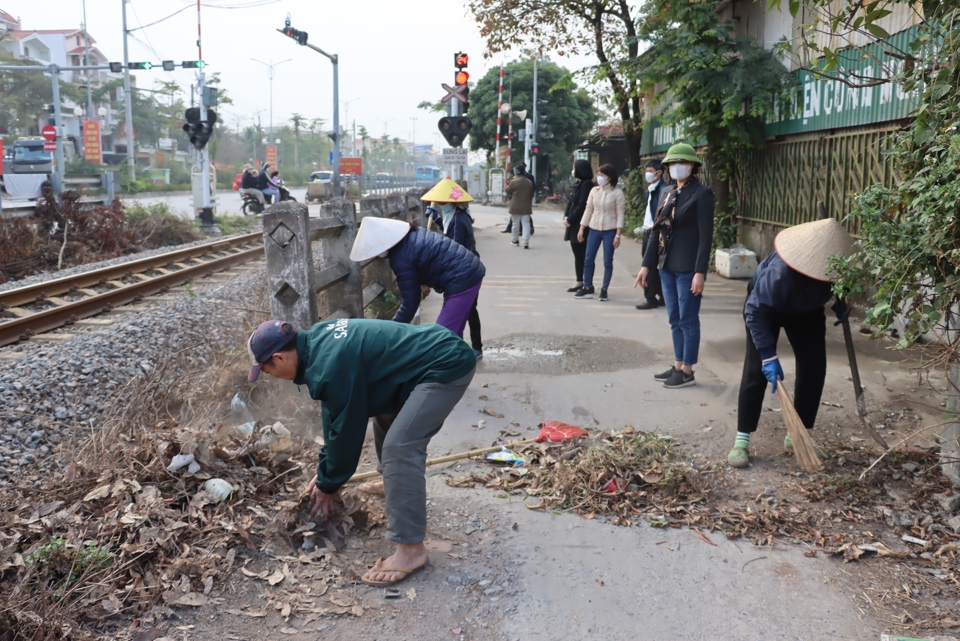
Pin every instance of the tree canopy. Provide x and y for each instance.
(569, 111)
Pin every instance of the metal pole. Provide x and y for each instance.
(128, 98)
(536, 123)
(86, 36)
(58, 123)
(270, 75)
(336, 125)
(527, 137)
(496, 161)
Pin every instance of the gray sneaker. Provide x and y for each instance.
(662, 376)
(679, 379)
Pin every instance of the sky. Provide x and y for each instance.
(393, 54)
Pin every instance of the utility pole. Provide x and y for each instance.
(86, 37)
(270, 73)
(128, 98)
(533, 169)
(206, 211)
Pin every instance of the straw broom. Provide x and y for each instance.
(803, 445)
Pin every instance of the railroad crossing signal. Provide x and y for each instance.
(457, 92)
(455, 129)
(460, 61)
(198, 130)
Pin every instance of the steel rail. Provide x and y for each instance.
(16, 329)
(33, 293)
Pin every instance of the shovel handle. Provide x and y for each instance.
(857, 387)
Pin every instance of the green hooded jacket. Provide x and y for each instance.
(359, 368)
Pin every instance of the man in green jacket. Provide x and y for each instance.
(408, 376)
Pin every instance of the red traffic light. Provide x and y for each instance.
(462, 77)
(460, 60)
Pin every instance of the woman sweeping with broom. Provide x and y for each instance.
(788, 292)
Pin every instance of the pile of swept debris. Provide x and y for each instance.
(902, 508)
(152, 514)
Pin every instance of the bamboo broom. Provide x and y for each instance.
(803, 445)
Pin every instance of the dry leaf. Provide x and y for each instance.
(192, 599)
(276, 577)
(412, 594)
(101, 492)
(244, 613)
(490, 412)
(255, 575)
(289, 630)
(285, 610)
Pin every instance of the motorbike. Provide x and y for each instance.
(284, 193)
(251, 205)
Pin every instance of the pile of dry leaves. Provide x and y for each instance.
(122, 534)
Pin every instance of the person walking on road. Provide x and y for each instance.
(602, 223)
(523, 170)
(788, 291)
(520, 193)
(423, 260)
(458, 227)
(410, 377)
(583, 172)
(652, 293)
(683, 230)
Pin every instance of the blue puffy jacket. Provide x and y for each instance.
(429, 258)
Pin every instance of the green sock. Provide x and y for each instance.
(743, 440)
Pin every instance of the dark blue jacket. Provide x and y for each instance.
(460, 230)
(430, 258)
(778, 290)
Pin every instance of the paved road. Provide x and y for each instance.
(603, 379)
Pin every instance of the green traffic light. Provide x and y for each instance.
(148, 65)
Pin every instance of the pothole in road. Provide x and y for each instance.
(551, 354)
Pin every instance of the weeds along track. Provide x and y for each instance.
(39, 308)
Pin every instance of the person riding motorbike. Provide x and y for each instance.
(268, 188)
(277, 182)
(249, 184)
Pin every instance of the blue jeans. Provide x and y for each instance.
(683, 311)
(590, 260)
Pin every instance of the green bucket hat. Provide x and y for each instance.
(681, 152)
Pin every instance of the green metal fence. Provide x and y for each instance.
(782, 183)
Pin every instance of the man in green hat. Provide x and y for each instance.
(683, 231)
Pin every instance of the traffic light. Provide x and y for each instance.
(290, 32)
(541, 127)
(141, 65)
(535, 149)
(199, 131)
(169, 65)
(192, 64)
(462, 79)
(454, 129)
(116, 67)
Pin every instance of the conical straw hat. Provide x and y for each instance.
(377, 235)
(447, 191)
(808, 248)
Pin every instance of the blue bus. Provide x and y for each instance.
(428, 172)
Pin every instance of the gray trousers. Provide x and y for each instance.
(521, 221)
(401, 440)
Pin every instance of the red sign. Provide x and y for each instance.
(272, 156)
(351, 166)
(91, 142)
(49, 132)
(49, 145)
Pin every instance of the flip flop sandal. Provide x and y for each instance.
(372, 487)
(378, 567)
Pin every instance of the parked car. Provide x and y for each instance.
(30, 158)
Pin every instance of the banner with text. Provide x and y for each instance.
(272, 156)
(92, 152)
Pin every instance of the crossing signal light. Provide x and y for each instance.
(460, 60)
(535, 149)
(455, 129)
(296, 34)
(116, 67)
(192, 64)
(199, 131)
(141, 65)
(462, 77)
(461, 80)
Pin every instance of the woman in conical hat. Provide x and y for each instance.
(788, 291)
(424, 260)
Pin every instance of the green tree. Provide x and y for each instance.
(569, 111)
(720, 87)
(24, 96)
(604, 28)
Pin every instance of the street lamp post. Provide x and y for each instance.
(353, 139)
(270, 73)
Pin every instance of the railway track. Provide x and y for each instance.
(32, 310)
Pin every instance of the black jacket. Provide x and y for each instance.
(430, 258)
(248, 181)
(460, 230)
(575, 207)
(689, 212)
(263, 181)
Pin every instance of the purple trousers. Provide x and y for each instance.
(456, 309)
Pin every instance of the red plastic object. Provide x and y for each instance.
(611, 486)
(557, 432)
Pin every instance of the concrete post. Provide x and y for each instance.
(339, 275)
(289, 253)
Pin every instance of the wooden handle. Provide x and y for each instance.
(449, 458)
(857, 387)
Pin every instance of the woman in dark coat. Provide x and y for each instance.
(571, 218)
(422, 260)
(458, 227)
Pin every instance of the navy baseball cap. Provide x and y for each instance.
(265, 341)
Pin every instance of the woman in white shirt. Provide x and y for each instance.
(604, 215)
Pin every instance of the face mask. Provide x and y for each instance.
(601, 180)
(680, 172)
(446, 208)
(650, 176)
